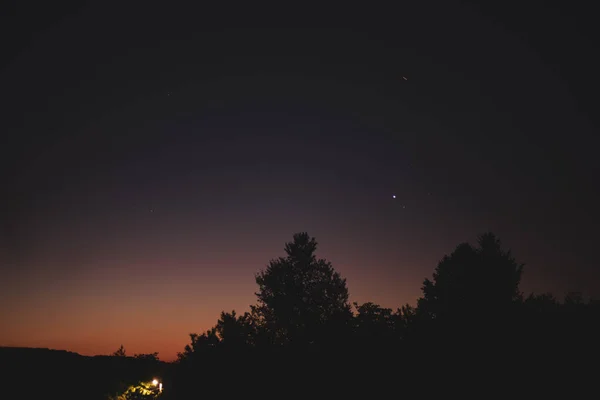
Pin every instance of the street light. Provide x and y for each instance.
(155, 382)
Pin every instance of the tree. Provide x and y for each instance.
(202, 343)
(404, 321)
(235, 332)
(120, 352)
(374, 323)
(150, 357)
(472, 285)
(140, 391)
(574, 299)
(300, 297)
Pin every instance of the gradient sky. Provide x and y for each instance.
(157, 157)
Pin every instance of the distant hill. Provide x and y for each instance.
(37, 352)
(32, 371)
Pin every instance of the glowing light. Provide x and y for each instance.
(155, 382)
(393, 196)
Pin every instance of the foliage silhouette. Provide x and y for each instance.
(151, 357)
(120, 352)
(472, 295)
(300, 297)
(302, 336)
(140, 391)
(374, 323)
(472, 280)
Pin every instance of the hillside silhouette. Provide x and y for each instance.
(471, 327)
(33, 373)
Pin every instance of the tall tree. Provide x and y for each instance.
(473, 282)
(301, 297)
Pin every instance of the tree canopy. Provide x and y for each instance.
(483, 279)
(300, 295)
(472, 306)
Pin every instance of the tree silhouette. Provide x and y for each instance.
(300, 297)
(471, 313)
(120, 352)
(202, 344)
(545, 302)
(235, 332)
(471, 280)
(149, 357)
(374, 323)
(472, 296)
(574, 299)
(404, 322)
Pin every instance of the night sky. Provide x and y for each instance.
(154, 158)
